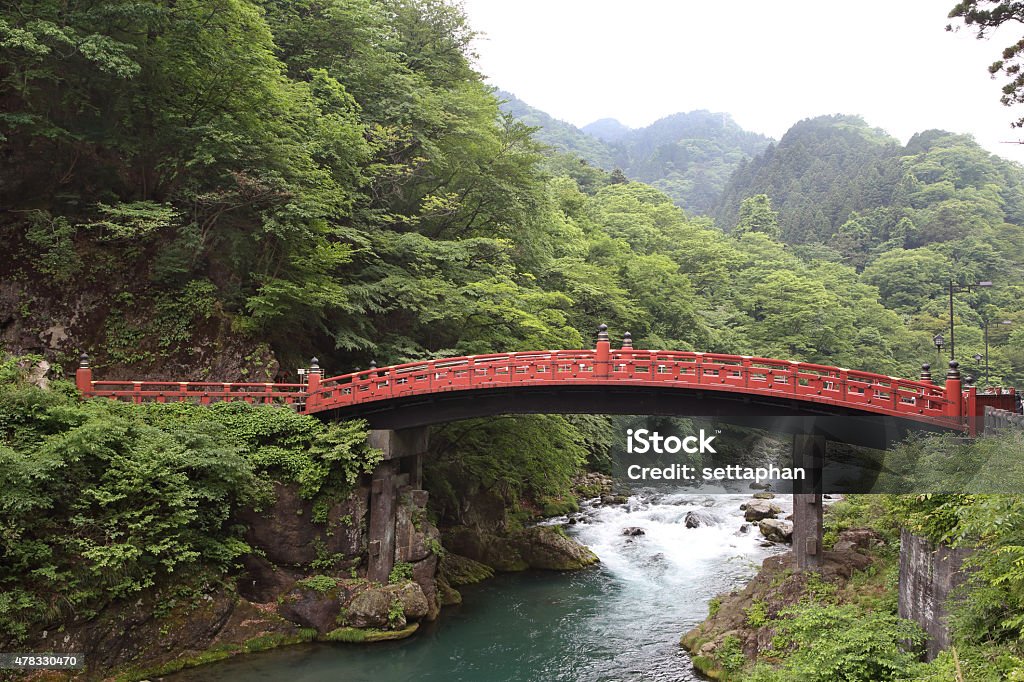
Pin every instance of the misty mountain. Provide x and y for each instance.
(607, 129)
(689, 156)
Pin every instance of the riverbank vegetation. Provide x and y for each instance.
(842, 623)
(104, 501)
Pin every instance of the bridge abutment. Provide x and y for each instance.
(402, 467)
(808, 512)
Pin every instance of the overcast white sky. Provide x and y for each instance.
(768, 63)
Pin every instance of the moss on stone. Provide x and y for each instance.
(358, 635)
(460, 570)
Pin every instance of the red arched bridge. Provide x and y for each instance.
(816, 403)
(600, 381)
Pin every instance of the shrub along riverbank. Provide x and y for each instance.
(841, 623)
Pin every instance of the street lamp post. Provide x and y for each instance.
(938, 341)
(984, 327)
(953, 288)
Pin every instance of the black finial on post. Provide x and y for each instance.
(83, 360)
(969, 380)
(954, 370)
(373, 364)
(627, 341)
(314, 365)
(926, 372)
(602, 333)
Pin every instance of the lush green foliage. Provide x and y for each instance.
(841, 643)
(103, 500)
(516, 459)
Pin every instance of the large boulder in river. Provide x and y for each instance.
(547, 547)
(633, 531)
(776, 530)
(760, 509)
(491, 549)
(698, 518)
(371, 608)
(375, 607)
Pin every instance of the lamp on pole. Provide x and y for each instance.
(984, 327)
(938, 341)
(954, 288)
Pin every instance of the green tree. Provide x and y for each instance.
(756, 215)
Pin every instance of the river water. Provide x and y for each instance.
(618, 621)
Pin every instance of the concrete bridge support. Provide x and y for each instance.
(402, 467)
(809, 453)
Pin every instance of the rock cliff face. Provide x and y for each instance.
(304, 581)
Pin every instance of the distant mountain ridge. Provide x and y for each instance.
(689, 156)
(607, 129)
(835, 179)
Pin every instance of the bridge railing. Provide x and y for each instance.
(198, 392)
(807, 381)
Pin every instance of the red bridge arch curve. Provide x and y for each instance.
(602, 380)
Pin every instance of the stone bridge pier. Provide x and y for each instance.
(401, 470)
(808, 514)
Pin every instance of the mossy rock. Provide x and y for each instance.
(708, 667)
(460, 570)
(447, 595)
(547, 547)
(360, 635)
(559, 506)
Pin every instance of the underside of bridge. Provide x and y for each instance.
(836, 423)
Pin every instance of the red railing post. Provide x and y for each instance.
(83, 376)
(625, 353)
(312, 384)
(602, 357)
(954, 391)
(971, 409)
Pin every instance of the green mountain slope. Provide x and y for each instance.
(689, 156)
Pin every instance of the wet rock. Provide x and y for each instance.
(633, 531)
(592, 484)
(696, 519)
(311, 609)
(764, 496)
(370, 609)
(546, 547)
(424, 574)
(446, 594)
(760, 486)
(765, 543)
(760, 509)
(776, 530)
(744, 529)
(456, 570)
(493, 550)
(614, 499)
(414, 602)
